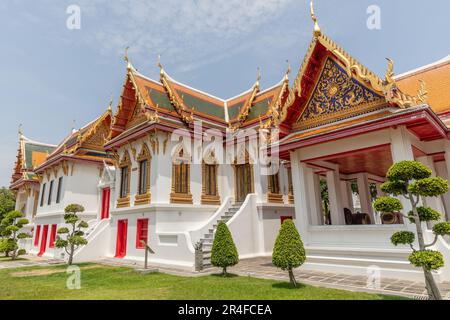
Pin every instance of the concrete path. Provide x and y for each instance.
(28, 261)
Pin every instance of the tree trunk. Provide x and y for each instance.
(292, 278)
(71, 254)
(432, 288)
(430, 283)
(224, 271)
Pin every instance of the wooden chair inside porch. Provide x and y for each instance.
(356, 218)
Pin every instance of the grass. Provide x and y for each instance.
(105, 283)
(8, 259)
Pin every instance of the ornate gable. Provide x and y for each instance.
(337, 96)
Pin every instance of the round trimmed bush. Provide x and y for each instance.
(387, 204)
(442, 229)
(425, 214)
(428, 259)
(395, 188)
(408, 170)
(429, 187)
(402, 237)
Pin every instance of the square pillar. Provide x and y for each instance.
(300, 186)
(335, 196)
(401, 149)
(364, 195)
(315, 205)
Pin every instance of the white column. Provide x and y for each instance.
(335, 196)
(313, 193)
(317, 198)
(347, 199)
(447, 165)
(299, 184)
(434, 202)
(364, 195)
(401, 149)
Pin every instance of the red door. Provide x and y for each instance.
(283, 218)
(43, 240)
(36, 236)
(106, 194)
(121, 242)
(51, 243)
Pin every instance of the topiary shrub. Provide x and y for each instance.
(288, 252)
(403, 237)
(427, 259)
(425, 214)
(387, 204)
(412, 180)
(74, 235)
(224, 253)
(11, 225)
(442, 229)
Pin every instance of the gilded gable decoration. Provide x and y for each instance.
(336, 94)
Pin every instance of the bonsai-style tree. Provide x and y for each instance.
(11, 225)
(224, 253)
(288, 252)
(413, 181)
(7, 204)
(73, 234)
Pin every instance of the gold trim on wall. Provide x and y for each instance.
(206, 198)
(143, 198)
(126, 162)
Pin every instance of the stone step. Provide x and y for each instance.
(208, 236)
(206, 241)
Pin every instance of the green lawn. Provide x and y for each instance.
(103, 282)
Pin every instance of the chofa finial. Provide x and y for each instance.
(317, 31)
(110, 103)
(288, 70)
(127, 59)
(20, 130)
(389, 78)
(258, 76)
(159, 64)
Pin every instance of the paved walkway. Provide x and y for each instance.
(263, 268)
(28, 261)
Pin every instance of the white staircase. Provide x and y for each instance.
(208, 238)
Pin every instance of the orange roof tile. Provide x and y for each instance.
(437, 80)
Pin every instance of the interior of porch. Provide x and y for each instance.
(344, 186)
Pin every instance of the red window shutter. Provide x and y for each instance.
(36, 237)
(141, 233)
(53, 236)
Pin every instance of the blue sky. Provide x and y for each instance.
(52, 76)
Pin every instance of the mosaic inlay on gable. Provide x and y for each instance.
(336, 92)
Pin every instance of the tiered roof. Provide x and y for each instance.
(30, 155)
(83, 144)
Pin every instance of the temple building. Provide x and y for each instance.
(148, 174)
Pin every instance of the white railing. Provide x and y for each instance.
(197, 234)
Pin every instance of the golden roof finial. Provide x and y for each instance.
(110, 103)
(288, 71)
(20, 131)
(127, 59)
(317, 31)
(159, 64)
(389, 78)
(258, 76)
